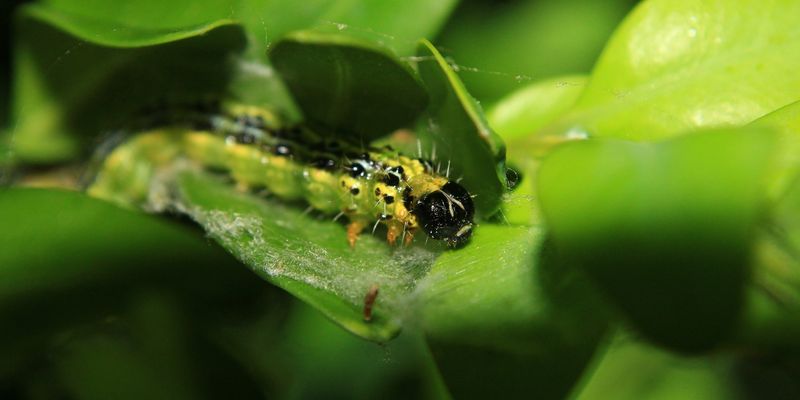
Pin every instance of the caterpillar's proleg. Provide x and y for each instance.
(353, 230)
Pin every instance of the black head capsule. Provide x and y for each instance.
(446, 214)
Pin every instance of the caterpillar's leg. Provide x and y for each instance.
(393, 231)
(409, 237)
(354, 228)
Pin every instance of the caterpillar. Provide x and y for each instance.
(370, 186)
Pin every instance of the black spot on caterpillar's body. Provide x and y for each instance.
(391, 180)
(393, 176)
(388, 199)
(354, 191)
(324, 163)
(408, 200)
(356, 170)
(361, 168)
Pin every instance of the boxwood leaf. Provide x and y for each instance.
(674, 66)
(518, 118)
(523, 112)
(348, 87)
(308, 256)
(458, 130)
(505, 46)
(666, 230)
(786, 121)
(398, 24)
(57, 239)
(71, 88)
(772, 318)
(505, 313)
(629, 369)
(68, 258)
(109, 32)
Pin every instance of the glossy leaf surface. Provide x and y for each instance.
(665, 230)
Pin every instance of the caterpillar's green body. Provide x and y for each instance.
(369, 187)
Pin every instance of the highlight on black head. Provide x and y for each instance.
(446, 214)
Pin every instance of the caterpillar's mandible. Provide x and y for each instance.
(369, 186)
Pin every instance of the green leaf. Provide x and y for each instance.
(674, 66)
(503, 313)
(155, 346)
(70, 89)
(308, 256)
(517, 118)
(633, 370)
(396, 25)
(348, 87)
(504, 46)
(771, 319)
(399, 24)
(109, 32)
(786, 121)
(67, 258)
(57, 239)
(459, 131)
(666, 230)
(62, 76)
(316, 359)
(522, 113)
(143, 14)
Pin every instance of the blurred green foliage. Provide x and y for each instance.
(612, 257)
(506, 44)
(606, 200)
